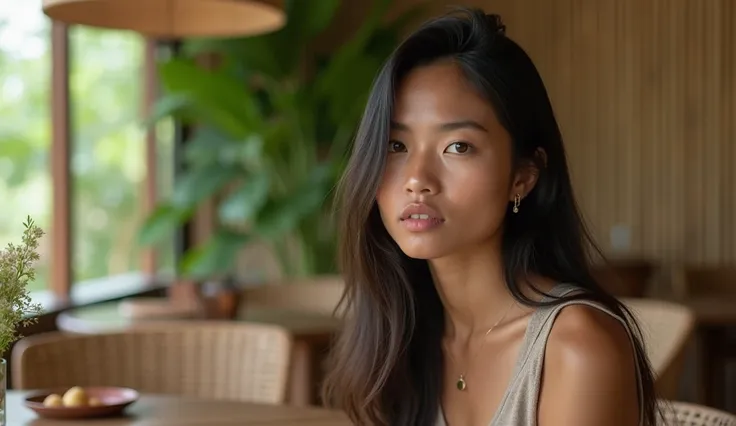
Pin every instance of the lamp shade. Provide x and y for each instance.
(173, 18)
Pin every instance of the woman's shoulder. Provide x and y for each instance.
(585, 332)
(587, 336)
(589, 353)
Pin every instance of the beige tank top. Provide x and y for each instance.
(519, 404)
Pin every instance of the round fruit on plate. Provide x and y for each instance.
(80, 402)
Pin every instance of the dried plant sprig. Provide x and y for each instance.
(17, 269)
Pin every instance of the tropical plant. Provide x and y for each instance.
(17, 269)
(273, 122)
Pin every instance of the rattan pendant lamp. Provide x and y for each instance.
(173, 18)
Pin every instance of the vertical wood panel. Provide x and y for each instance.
(677, 109)
(648, 207)
(712, 102)
(607, 116)
(728, 117)
(645, 93)
(61, 235)
(627, 61)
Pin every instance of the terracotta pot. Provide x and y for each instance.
(215, 299)
(220, 299)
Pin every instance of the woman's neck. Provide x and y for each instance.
(473, 291)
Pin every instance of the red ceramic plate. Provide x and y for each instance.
(113, 401)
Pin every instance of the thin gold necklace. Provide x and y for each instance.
(461, 384)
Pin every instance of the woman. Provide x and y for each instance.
(464, 255)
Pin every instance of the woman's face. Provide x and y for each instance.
(448, 177)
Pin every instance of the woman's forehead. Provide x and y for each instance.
(439, 93)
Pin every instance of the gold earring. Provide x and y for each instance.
(517, 201)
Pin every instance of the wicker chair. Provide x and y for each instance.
(220, 360)
(667, 328)
(686, 414)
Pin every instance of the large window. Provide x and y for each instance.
(108, 170)
(108, 148)
(25, 125)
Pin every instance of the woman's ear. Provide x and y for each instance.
(527, 175)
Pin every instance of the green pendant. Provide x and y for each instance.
(460, 383)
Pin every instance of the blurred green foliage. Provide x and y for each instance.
(273, 124)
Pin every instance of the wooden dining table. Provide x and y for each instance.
(312, 334)
(170, 410)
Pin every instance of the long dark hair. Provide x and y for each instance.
(386, 367)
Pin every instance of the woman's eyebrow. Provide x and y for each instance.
(453, 125)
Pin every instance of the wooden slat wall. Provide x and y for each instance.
(645, 93)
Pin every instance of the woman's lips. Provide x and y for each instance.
(420, 217)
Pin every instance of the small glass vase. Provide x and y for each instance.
(3, 388)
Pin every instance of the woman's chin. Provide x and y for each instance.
(423, 251)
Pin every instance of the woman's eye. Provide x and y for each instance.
(396, 146)
(458, 148)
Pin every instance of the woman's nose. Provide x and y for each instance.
(421, 177)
